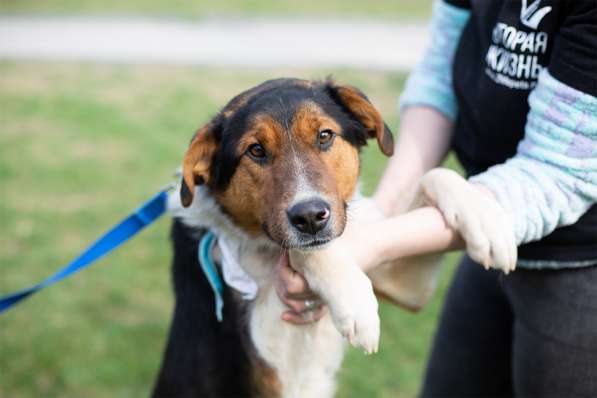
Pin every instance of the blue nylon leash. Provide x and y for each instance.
(120, 233)
(211, 272)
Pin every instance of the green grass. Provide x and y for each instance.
(82, 145)
(387, 9)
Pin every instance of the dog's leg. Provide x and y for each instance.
(406, 282)
(485, 227)
(305, 358)
(347, 291)
(203, 355)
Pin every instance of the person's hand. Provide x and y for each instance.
(304, 306)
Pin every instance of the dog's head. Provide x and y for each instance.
(282, 159)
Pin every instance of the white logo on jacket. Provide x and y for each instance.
(531, 15)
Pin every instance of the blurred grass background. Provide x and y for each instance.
(386, 9)
(81, 145)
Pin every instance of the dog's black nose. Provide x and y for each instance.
(310, 216)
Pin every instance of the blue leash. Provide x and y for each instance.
(122, 232)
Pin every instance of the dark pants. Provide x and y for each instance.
(528, 334)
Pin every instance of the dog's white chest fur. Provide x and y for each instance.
(306, 358)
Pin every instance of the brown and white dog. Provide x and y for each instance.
(277, 169)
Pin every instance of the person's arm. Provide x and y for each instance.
(423, 142)
(421, 231)
(417, 232)
(428, 109)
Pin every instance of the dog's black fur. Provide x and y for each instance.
(204, 357)
(277, 98)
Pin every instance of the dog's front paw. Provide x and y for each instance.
(348, 292)
(482, 223)
(354, 314)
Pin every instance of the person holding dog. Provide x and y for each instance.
(511, 87)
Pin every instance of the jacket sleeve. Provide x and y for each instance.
(552, 179)
(430, 83)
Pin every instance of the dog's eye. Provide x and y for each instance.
(256, 151)
(325, 138)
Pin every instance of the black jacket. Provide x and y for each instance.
(503, 47)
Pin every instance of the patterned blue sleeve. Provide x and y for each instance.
(430, 83)
(552, 179)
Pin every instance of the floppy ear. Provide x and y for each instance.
(196, 163)
(357, 104)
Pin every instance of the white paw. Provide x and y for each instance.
(482, 223)
(354, 314)
(332, 273)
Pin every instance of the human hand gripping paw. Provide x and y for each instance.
(476, 215)
(304, 305)
(329, 276)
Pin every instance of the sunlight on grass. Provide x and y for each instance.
(80, 146)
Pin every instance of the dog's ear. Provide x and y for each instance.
(197, 162)
(358, 105)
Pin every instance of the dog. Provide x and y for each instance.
(276, 169)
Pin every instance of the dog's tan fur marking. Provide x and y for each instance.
(344, 157)
(309, 119)
(253, 182)
(266, 379)
(197, 162)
